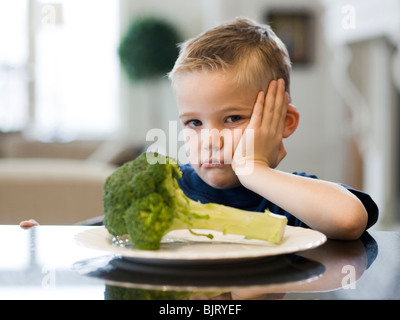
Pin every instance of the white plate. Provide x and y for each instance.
(181, 245)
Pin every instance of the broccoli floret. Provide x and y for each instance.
(119, 191)
(144, 201)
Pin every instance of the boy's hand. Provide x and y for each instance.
(261, 143)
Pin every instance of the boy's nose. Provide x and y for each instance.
(212, 139)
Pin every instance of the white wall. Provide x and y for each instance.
(364, 70)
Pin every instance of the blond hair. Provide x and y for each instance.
(251, 50)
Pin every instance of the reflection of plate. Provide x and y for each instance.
(181, 245)
(243, 273)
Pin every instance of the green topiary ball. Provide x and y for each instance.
(148, 49)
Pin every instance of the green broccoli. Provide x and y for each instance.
(112, 292)
(121, 293)
(144, 201)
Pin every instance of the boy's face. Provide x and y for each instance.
(215, 112)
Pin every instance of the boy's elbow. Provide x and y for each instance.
(355, 221)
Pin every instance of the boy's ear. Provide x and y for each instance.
(291, 121)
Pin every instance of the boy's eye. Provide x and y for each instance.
(233, 118)
(194, 123)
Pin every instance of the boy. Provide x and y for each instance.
(232, 82)
(235, 78)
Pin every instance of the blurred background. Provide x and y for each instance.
(79, 92)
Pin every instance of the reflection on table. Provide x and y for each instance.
(335, 265)
(45, 262)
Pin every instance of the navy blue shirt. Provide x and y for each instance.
(240, 197)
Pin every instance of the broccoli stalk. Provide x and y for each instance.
(229, 220)
(144, 201)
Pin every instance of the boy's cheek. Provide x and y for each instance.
(231, 144)
(192, 141)
(237, 136)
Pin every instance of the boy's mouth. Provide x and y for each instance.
(213, 163)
